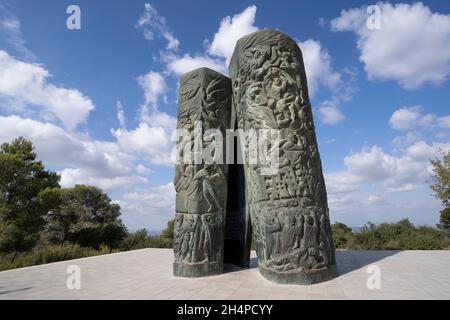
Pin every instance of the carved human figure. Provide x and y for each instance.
(206, 178)
(273, 232)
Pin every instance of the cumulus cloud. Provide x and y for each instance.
(230, 31)
(371, 186)
(150, 207)
(71, 177)
(154, 85)
(154, 25)
(318, 67)
(187, 62)
(154, 142)
(121, 115)
(82, 159)
(330, 114)
(320, 74)
(27, 84)
(407, 171)
(154, 136)
(371, 163)
(412, 46)
(375, 177)
(218, 52)
(10, 29)
(410, 118)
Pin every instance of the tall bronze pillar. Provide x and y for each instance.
(288, 208)
(204, 108)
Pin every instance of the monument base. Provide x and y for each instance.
(306, 277)
(197, 269)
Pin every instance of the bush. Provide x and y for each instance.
(342, 235)
(402, 235)
(140, 240)
(94, 236)
(48, 254)
(13, 238)
(137, 240)
(444, 219)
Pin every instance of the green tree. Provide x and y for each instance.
(441, 177)
(168, 232)
(26, 195)
(342, 235)
(444, 220)
(138, 240)
(87, 216)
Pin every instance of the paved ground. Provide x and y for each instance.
(146, 274)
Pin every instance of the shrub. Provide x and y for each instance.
(141, 239)
(342, 235)
(48, 254)
(402, 235)
(444, 219)
(96, 235)
(137, 240)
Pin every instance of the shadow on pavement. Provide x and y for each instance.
(346, 261)
(16, 290)
(351, 260)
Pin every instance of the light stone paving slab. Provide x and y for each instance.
(147, 274)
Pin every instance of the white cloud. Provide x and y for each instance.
(410, 118)
(320, 74)
(143, 170)
(322, 22)
(373, 198)
(405, 118)
(82, 159)
(218, 52)
(151, 207)
(186, 63)
(153, 139)
(11, 30)
(154, 25)
(26, 84)
(230, 31)
(330, 114)
(172, 42)
(412, 46)
(407, 171)
(121, 115)
(154, 136)
(154, 85)
(341, 188)
(103, 164)
(372, 186)
(444, 122)
(318, 67)
(371, 164)
(71, 177)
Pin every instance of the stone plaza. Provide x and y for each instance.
(144, 274)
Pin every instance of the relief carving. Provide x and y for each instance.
(201, 188)
(289, 209)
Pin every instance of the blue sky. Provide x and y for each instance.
(100, 103)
